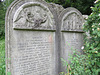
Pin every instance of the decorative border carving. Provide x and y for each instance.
(71, 20)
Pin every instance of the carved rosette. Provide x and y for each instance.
(33, 15)
(72, 21)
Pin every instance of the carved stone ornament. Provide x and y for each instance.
(33, 15)
(72, 21)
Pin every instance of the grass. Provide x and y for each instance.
(2, 57)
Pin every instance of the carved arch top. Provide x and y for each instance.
(71, 20)
(33, 15)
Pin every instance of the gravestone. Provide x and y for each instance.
(71, 33)
(38, 34)
(30, 38)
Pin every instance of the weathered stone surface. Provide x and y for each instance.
(32, 54)
(33, 15)
(57, 8)
(71, 20)
(71, 33)
(30, 38)
(38, 34)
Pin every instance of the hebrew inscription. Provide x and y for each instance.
(33, 16)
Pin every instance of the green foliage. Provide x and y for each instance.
(80, 64)
(92, 41)
(89, 62)
(3, 7)
(2, 20)
(6, 3)
(2, 57)
(8, 73)
(81, 5)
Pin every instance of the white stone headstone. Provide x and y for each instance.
(71, 33)
(30, 38)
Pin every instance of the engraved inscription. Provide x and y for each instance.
(72, 41)
(33, 16)
(72, 22)
(34, 56)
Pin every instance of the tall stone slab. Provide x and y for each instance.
(30, 38)
(71, 33)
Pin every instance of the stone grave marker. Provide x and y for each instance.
(71, 32)
(30, 38)
(38, 34)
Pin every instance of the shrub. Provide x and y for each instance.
(89, 62)
(92, 41)
(80, 64)
(81, 5)
(2, 57)
(2, 24)
(3, 7)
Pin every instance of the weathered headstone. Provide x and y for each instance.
(30, 38)
(38, 34)
(71, 32)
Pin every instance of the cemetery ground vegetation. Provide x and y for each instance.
(2, 57)
(87, 63)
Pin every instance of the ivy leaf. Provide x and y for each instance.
(8, 73)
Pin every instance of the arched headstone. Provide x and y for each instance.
(71, 33)
(30, 38)
(38, 34)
